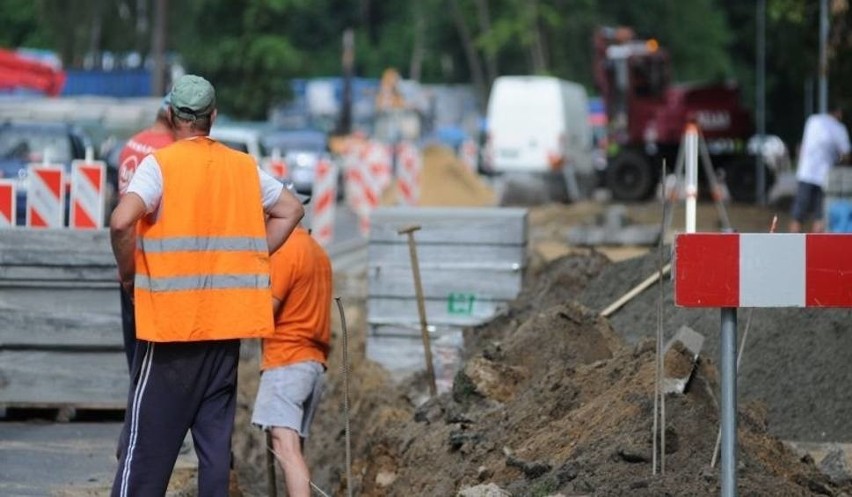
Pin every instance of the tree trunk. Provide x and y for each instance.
(416, 64)
(158, 49)
(536, 46)
(484, 15)
(471, 54)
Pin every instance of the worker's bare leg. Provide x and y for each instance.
(818, 226)
(288, 451)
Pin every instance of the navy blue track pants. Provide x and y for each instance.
(175, 387)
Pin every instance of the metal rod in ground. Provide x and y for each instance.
(346, 431)
(657, 368)
(271, 487)
(662, 331)
(421, 307)
(728, 353)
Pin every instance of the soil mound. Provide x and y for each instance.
(445, 181)
(795, 360)
(553, 399)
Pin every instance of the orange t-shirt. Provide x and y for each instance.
(301, 278)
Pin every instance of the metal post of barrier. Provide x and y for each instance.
(728, 408)
(691, 155)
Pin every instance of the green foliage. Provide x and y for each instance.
(19, 25)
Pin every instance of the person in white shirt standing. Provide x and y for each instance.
(825, 142)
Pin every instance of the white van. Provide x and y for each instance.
(538, 126)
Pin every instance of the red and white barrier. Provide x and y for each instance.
(45, 196)
(368, 173)
(88, 194)
(276, 166)
(763, 270)
(409, 165)
(324, 198)
(8, 204)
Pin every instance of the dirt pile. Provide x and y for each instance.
(445, 181)
(553, 399)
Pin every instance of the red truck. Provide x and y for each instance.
(647, 115)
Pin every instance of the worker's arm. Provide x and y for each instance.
(122, 232)
(282, 218)
(276, 304)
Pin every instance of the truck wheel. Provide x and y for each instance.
(741, 180)
(629, 177)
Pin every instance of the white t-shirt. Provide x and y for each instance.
(824, 141)
(147, 182)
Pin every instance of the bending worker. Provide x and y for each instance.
(200, 280)
(295, 357)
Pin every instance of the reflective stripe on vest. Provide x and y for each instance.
(202, 244)
(202, 282)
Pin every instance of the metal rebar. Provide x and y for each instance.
(347, 432)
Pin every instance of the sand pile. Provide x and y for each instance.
(445, 181)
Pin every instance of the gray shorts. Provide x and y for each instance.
(288, 396)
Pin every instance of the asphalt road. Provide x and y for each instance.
(39, 458)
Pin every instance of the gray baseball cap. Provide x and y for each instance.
(192, 97)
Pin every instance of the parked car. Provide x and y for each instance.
(301, 150)
(243, 137)
(24, 143)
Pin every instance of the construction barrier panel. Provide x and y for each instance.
(88, 194)
(368, 173)
(277, 167)
(409, 166)
(8, 205)
(46, 196)
(763, 270)
(323, 202)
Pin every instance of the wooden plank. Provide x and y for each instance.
(451, 225)
(34, 328)
(398, 281)
(439, 312)
(443, 255)
(84, 379)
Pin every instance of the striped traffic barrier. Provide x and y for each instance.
(730, 270)
(408, 174)
(324, 198)
(8, 205)
(88, 194)
(368, 173)
(276, 166)
(45, 196)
